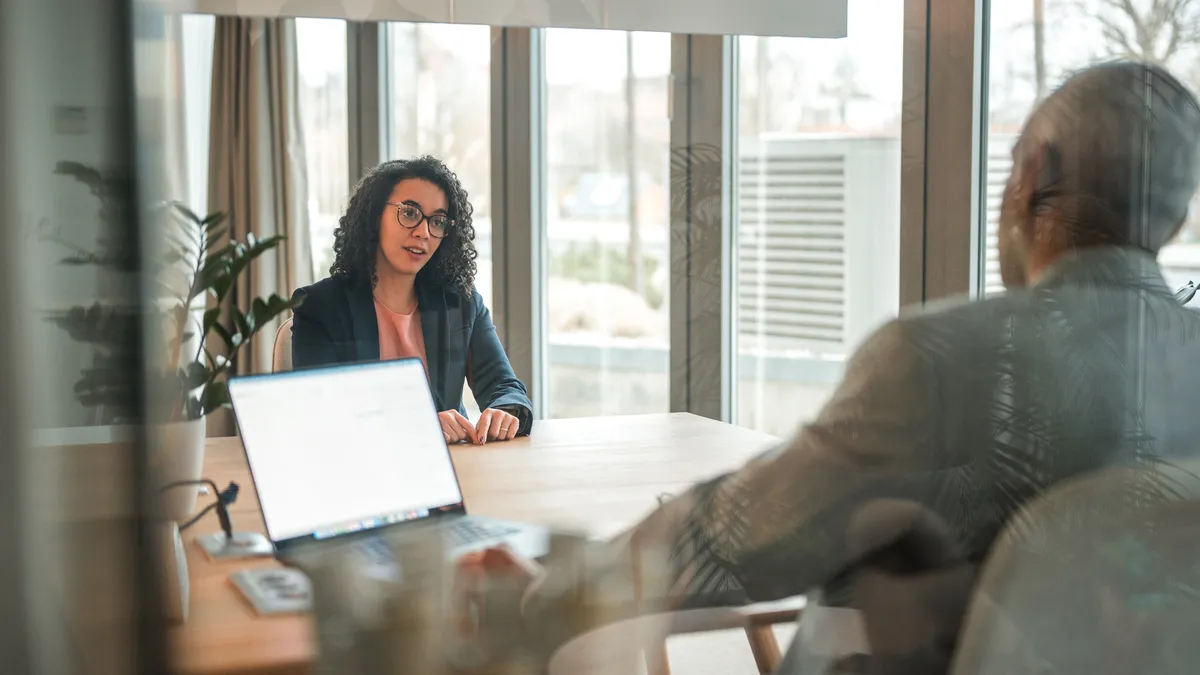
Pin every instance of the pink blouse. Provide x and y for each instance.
(400, 335)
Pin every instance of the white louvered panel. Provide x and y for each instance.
(813, 292)
(753, 233)
(999, 165)
(773, 303)
(792, 249)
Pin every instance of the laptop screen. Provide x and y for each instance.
(341, 450)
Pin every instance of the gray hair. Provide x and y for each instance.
(1122, 143)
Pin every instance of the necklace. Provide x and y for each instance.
(385, 306)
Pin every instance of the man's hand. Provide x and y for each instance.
(457, 428)
(473, 573)
(496, 425)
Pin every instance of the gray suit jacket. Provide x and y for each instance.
(969, 409)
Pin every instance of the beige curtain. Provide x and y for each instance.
(256, 165)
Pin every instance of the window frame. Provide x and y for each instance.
(943, 146)
(519, 258)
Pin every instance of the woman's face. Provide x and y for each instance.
(405, 250)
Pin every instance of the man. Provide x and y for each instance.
(970, 410)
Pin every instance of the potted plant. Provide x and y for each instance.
(203, 329)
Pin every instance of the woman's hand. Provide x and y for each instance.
(457, 428)
(496, 425)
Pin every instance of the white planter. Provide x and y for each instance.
(177, 454)
(176, 590)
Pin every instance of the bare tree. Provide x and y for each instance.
(1039, 47)
(844, 87)
(762, 63)
(635, 235)
(1152, 30)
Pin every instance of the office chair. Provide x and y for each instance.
(1097, 576)
(281, 356)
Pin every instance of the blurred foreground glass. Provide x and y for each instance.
(607, 213)
(1025, 64)
(77, 180)
(818, 210)
(324, 123)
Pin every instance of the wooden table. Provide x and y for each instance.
(598, 475)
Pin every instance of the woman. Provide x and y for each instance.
(402, 285)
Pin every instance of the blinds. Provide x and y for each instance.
(817, 242)
(791, 248)
(795, 18)
(999, 165)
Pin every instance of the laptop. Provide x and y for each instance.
(347, 455)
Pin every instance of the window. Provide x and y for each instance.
(321, 53)
(439, 103)
(607, 213)
(818, 209)
(1024, 66)
(197, 32)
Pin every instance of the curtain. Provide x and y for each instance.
(256, 168)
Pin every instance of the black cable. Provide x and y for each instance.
(224, 498)
(185, 483)
(198, 516)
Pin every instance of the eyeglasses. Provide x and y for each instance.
(411, 217)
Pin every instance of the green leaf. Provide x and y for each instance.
(211, 319)
(215, 397)
(223, 333)
(213, 238)
(187, 213)
(260, 313)
(192, 408)
(242, 255)
(216, 276)
(221, 287)
(241, 322)
(193, 375)
(213, 269)
(213, 219)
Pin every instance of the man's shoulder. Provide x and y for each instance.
(959, 313)
(1029, 319)
(953, 328)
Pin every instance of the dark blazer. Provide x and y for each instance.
(337, 324)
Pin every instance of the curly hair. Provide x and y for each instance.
(356, 239)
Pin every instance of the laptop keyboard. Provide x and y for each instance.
(466, 531)
(459, 532)
(376, 551)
